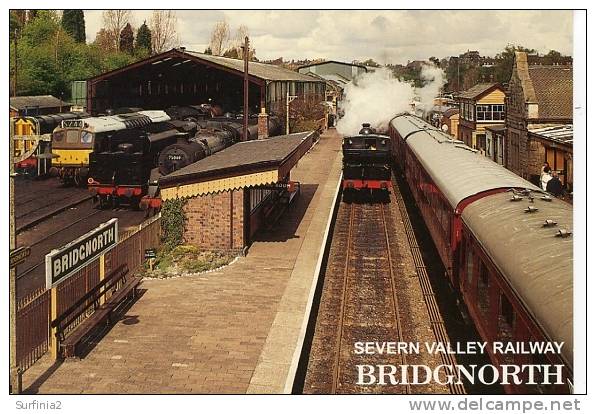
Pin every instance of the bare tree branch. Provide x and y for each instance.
(163, 30)
(220, 36)
(113, 22)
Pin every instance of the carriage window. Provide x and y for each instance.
(507, 311)
(470, 265)
(483, 289)
(506, 324)
(72, 136)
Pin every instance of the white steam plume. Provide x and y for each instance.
(377, 97)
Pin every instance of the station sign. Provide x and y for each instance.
(18, 256)
(62, 263)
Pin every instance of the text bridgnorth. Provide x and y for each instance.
(467, 348)
(453, 374)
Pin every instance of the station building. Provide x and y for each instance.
(480, 106)
(37, 105)
(336, 76)
(181, 77)
(340, 72)
(232, 194)
(539, 97)
(557, 143)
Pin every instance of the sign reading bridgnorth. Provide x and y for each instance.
(64, 262)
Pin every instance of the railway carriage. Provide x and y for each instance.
(503, 241)
(366, 161)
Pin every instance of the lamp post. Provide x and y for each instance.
(15, 375)
(245, 110)
(289, 98)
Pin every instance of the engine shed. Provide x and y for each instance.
(235, 192)
(181, 77)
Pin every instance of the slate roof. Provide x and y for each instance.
(477, 90)
(260, 70)
(553, 87)
(241, 158)
(41, 101)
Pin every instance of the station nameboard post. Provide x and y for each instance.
(64, 262)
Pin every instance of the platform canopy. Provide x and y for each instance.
(245, 164)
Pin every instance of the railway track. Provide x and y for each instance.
(41, 240)
(39, 200)
(59, 230)
(364, 305)
(376, 289)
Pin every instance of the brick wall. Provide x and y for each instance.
(209, 225)
(536, 154)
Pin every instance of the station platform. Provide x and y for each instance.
(234, 330)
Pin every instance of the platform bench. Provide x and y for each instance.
(120, 284)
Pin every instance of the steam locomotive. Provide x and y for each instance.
(366, 161)
(124, 166)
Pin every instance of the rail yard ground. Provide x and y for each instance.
(50, 215)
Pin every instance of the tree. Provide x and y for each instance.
(220, 37)
(232, 53)
(435, 61)
(73, 22)
(113, 23)
(144, 39)
(15, 25)
(127, 39)
(505, 59)
(103, 41)
(50, 59)
(163, 30)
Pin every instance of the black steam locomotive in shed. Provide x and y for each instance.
(124, 166)
(366, 161)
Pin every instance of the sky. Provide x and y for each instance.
(392, 36)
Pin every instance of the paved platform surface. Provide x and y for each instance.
(228, 331)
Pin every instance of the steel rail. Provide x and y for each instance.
(30, 269)
(396, 311)
(336, 368)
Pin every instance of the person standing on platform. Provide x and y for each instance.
(554, 186)
(545, 176)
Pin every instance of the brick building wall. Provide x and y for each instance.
(536, 157)
(209, 225)
(515, 121)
